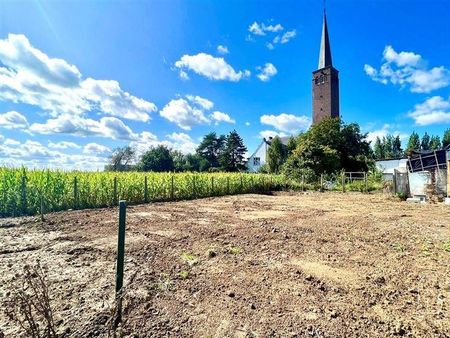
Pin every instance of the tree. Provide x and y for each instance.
(179, 160)
(425, 144)
(328, 147)
(211, 148)
(291, 144)
(446, 138)
(120, 159)
(435, 142)
(388, 146)
(233, 158)
(397, 150)
(157, 159)
(378, 149)
(277, 154)
(413, 143)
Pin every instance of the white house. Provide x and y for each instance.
(259, 157)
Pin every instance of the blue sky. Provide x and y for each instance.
(80, 78)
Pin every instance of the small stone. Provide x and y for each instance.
(231, 294)
(253, 306)
(333, 314)
(309, 278)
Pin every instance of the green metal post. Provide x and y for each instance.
(42, 208)
(228, 185)
(194, 187)
(365, 182)
(212, 185)
(343, 181)
(115, 191)
(120, 261)
(321, 182)
(145, 189)
(242, 184)
(24, 195)
(75, 193)
(172, 187)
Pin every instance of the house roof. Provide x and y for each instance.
(284, 140)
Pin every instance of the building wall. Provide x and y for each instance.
(261, 153)
(325, 94)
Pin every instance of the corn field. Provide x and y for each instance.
(31, 192)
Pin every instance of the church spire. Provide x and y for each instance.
(325, 49)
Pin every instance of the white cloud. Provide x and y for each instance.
(183, 75)
(288, 123)
(408, 69)
(13, 120)
(222, 49)
(222, 117)
(435, 110)
(29, 76)
(214, 68)
(201, 101)
(247, 123)
(183, 114)
(63, 145)
(96, 149)
(191, 111)
(273, 32)
(271, 133)
(386, 129)
(109, 127)
(261, 28)
(176, 141)
(266, 72)
(35, 155)
(288, 36)
(11, 142)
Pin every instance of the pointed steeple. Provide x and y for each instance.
(325, 49)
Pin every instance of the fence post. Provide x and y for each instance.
(120, 262)
(24, 195)
(212, 185)
(75, 193)
(365, 183)
(343, 181)
(303, 182)
(242, 184)
(171, 187)
(145, 189)
(194, 187)
(394, 181)
(228, 185)
(115, 191)
(321, 182)
(42, 208)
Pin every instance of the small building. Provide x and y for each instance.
(259, 157)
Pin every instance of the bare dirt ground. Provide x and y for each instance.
(289, 265)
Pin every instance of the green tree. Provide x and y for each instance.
(276, 155)
(378, 149)
(413, 143)
(291, 144)
(446, 138)
(397, 150)
(328, 147)
(425, 144)
(211, 148)
(233, 157)
(179, 160)
(388, 146)
(435, 142)
(157, 159)
(120, 159)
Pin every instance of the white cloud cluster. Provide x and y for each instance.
(176, 141)
(271, 133)
(433, 110)
(191, 111)
(222, 49)
(408, 69)
(383, 132)
(110, 127)
(272, 31)
(63, 145)
(96, 149)
(29, 76)
(211, 67)
(33, 154)
(266, 72)
(287, 123)
(13, 120)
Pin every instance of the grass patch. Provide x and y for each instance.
(446, 246)
(235, 250)
(189, 258)
(400, 247)
(184, 274)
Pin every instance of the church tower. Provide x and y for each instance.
(325, 81)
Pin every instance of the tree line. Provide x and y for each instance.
(390, 147)
(215, 153)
